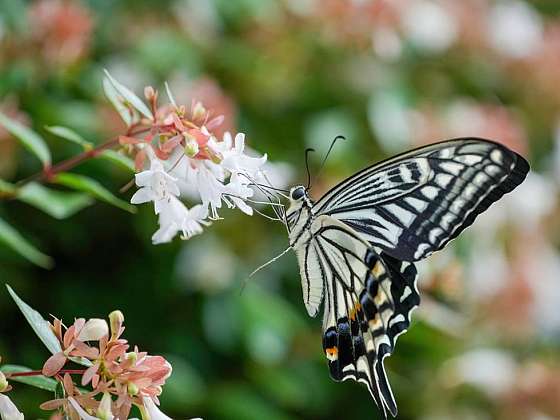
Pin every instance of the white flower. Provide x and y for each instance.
(156, 185)
(225, 177)
(515, 28)
(155, 413)
(237, 192)
(105, 415)
(93, 330)
(234, 158)
(153, 410)
(209, 183)
(490, 370)
(175, 217)
(8, 410)
(429, 26)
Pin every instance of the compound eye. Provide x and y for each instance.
(298, 193)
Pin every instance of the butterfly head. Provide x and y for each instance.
(299, 197)
(299, 200)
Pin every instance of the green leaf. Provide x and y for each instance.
(29, 138)
(130, 97)
(58, 204)
(118, 158)
(91, 186)
(68, 134)
(40, 326)
(113, 96)
(38, 381)
(18, 243)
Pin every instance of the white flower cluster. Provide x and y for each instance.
(215, 181)
(177, 155)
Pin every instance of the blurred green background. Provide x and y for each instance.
(388, 75)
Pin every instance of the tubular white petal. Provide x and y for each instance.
(81, 412)
(8, 410)
(143, 195)
(143, 178)
(153, 410)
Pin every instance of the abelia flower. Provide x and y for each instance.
(182, 153)
(176, 218)
(155, 185)
(122, 378)
(234, 158)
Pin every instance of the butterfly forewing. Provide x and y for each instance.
(414, 204)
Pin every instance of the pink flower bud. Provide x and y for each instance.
(54, 364)
(198, 112)
(132, 389)
(116, 320)
(93, 330)
(132, 356)
(149, 92)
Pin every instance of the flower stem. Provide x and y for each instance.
(39, 372)
(49, 172)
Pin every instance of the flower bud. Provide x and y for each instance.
(132, 356)
(104, 409)
(116, 320)
(214, 155)
(149, 92)
(93, 330)
(191, 147)
(132, 389)
(198, 112)
(3, 382)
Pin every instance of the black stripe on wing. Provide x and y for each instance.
(363, 321)
(454, 209)
(415, 203)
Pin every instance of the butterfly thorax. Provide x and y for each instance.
(299, 216)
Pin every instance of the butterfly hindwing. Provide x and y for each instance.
(415, 203)
(368, 300)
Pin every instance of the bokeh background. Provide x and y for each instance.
(388, 75)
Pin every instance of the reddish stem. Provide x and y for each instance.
(48, 173)
(39, 372)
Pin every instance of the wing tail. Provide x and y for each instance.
(364, 331)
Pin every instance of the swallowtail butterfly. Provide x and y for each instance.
(356, 246)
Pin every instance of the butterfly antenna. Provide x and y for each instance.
(329, 152)
(309, 149)
(266, 264)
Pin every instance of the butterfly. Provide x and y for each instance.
(356, 246)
